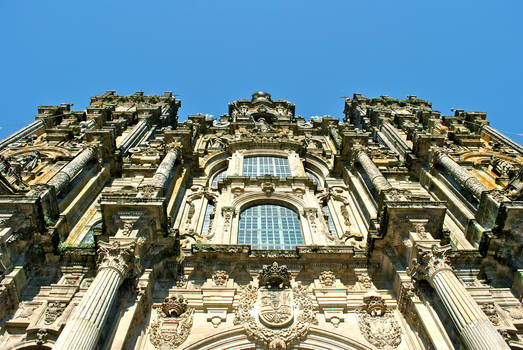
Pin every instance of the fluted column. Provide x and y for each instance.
(379, 181)
(134, 136)
(83, 328)
(461, 175)
(30, 129)
(64, 176)
(164, 169)
(475, 329)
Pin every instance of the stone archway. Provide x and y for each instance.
(317, 339)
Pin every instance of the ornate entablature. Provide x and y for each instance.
(393, 228)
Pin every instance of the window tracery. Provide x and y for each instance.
(270, 226)
(266, 165)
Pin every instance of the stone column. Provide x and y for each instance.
(376, 177)
(461, 175)
(33, 128)
(136, 134)
(474, 327)
(83, 328)
(164, 169)
(64, 176)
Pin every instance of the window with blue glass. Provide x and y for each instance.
(313, 177)
(207, 219)
(266, 165)
(221, 175)
(326, 211)
(270, 226)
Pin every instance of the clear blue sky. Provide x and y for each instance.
(462, 54)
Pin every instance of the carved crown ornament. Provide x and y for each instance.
(274, 276)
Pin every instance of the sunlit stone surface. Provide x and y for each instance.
(392, 228)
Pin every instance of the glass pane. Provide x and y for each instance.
(327, 212)
(265, 165)
(207, 219)
(313, 177)
(221, 175)
(269, 226)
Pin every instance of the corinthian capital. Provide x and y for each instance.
(116, 256)
(429, 261)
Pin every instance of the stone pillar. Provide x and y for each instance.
(136, 134)
(33, 128)
(376, 177)
(474, 327)
(461, 175)
(64, 176)
(84, 326)
(164, 169)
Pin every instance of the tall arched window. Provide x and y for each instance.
(327, 213)
(270, 226)
(221, 175)
(266, 165)
(313, 177)
(207, 219)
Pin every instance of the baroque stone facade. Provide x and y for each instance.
(393, 228)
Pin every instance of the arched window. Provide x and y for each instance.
(265, 165)
(327, 213)
(221, 175)
(313, 177)
(270, 226)
(207, 219)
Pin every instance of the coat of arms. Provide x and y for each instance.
(172, 324)
(275, 314)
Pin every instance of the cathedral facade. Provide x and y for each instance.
(393, 228)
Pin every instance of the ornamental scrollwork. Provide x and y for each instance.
(377, 323)
(114, 256)
(429, 261)
(172, 323)
(327, 278)
(220, 278)
(54, 310)
(275, 317)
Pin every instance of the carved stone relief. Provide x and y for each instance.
(327, 278)
(275, 317)
(220, 278)
(377, 323)
(54, 310)
(171, 324)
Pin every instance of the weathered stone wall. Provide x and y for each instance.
(114, 236)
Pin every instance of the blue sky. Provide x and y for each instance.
(461, 54)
